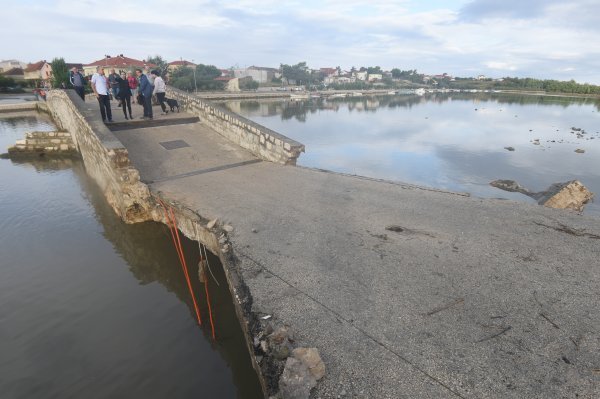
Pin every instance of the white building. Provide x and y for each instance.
(7, 65)
(258, 74)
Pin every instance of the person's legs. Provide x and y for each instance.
(128, 101)
(148, 106)
(123, 105)
(81, 91)
(161, 101)
(107, 105)
(101, 103)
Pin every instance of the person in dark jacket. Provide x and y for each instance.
(146, 90)
(124, 94)
(78, 82)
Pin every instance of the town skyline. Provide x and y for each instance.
(538, 39)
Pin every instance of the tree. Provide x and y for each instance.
(374, 70)
(396, 73)
(203, 79)
(60, 73)
(248, 84)
(298, 73)
(161, 64)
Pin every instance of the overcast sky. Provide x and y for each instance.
(546, 39)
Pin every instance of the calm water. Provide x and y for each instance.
(93, 308)
(448, 141)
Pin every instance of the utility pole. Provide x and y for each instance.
(195, 87)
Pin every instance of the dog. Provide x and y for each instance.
(172, 103)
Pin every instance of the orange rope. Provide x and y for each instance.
(212, 326)
(172, 223)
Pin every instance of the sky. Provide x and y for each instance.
(545, 39)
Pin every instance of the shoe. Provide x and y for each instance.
(163, 113)
(130, 117)
(110, 121)
(166, 112)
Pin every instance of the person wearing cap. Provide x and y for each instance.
(78, 82)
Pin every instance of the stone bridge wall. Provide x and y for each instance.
(261, 141)
(106, 159)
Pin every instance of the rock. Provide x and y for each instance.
(579, 151)
(228, 228)
(296, 381)
(280, 335)
(281, 352)
(570, 195)
(264, 346)
(509, 148)
(222, 240)
(254, 231)
(510, 185)
(211, 224)
(225, 248)
(311, 358)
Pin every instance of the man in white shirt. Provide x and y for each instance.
(160, 90)
(100, 88)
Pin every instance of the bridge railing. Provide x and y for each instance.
(260, 140)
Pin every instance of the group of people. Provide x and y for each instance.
(123, 87)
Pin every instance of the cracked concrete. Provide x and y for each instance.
(405, 292)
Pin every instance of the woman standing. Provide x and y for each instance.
(124, 94)
(133, 84)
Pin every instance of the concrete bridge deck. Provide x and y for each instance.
(407, 293)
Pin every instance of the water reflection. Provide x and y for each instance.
(73, 321)
(453, 141)
(149, 253)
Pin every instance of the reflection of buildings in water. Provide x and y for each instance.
(372, 104)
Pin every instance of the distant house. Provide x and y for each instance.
(361, 75)
(7, 65)
(258, 74)
(231, 84)
(327, 72)
(481, 77)
(172, 66)
(120, 63)
(374, 77)
(40, 70)
(16, 74)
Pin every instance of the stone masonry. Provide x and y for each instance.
(44, 143)
(261, 141)
(106, 159)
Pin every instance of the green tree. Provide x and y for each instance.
(248, 84)
(160, 62)
(299, 72)
(60, 73)
(203, 78)
(6, 82)
(372, 70)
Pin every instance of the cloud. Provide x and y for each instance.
(528, 38)
(478, 10)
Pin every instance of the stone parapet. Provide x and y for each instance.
(44, 143)
(106, 159)
(261, 141)
(26, 106)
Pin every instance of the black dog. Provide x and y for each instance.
(172, 103)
